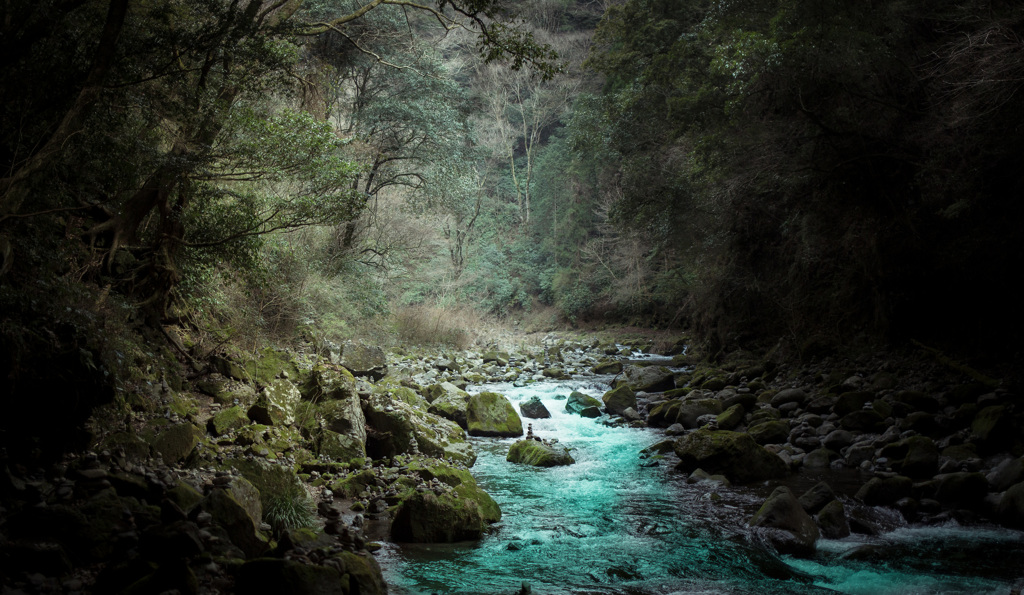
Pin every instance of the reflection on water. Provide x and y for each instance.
(608, 525)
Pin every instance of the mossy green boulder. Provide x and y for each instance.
(733, 454)
(619, 399)
(538, 454)
(491, 414)
(583, 405)
(275, 406)
(449, 402)
(227, 420)
(176, 442)
(397, 426)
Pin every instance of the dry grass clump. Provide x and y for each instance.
(460, 327)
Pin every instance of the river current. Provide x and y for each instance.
(610, 524)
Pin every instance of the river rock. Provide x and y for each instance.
(770, 432)
(849, 402)
(491, 414)
(1011, 506)
(692, 409)
(797, 531)
(837, 440)
(1006, 474)
(619, 399)
(176, 442)
(345, 572)
(732, 454)
(664, 413)
(915, 456)
(534, 409)
(864, 420)
(993, 429)
(238, 510)
(449, 402)
(961, 488)
(364, 360)
(789, 395)
(607, 367)
(731, 418)
(583, 405)
(399, 427)
(814, 499)
(226, 420)
(426, 517)
(832, 521)
(275, 406)
(884, 491)
(500, 358)
(538, 454)
(649, 379)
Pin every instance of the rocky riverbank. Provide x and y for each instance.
(282, 468)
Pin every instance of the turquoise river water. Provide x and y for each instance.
(608, 524)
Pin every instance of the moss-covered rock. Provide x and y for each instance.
(239, 512)
(692, 409)
(832, 521)
(364, 360)
(993, 428)
(607, 367)
(884, 491)
(396, 426)
(425, 517)
(327, 382)
(491, 414)
(770, 432)
(650, 379)
(733, 454)
(176, 442)
(534, 409)
(498, 357)
(731, 418)
(449, 402)
(583, 405)
(276, 404)
(619, 399)
(348, 573)
(797, 531)
(227, 420)
(538, 454)
(914, 456)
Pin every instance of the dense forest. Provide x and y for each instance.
(756, 171)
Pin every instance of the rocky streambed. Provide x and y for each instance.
(307, 470)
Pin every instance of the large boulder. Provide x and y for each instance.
(619, 399)
(276, 404)
(238, 510)
(832, 521)
(538, 454)
(364, 360)
(583, 405)
(176, 442)
(607, 367)
(665, 413)
(914, 456)
(460, 512)
(692, 409)
(227, 420)
(733, 454)
(650, 379)
(993, 428)
(885, 491)
(341, 574)
(770, 432)
(395, 427)
(731, 418)
(491, 414)
(1011, 506)
(340, 429)
(791, 529)
(328, 383)
(534, 409)
(449, 402)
